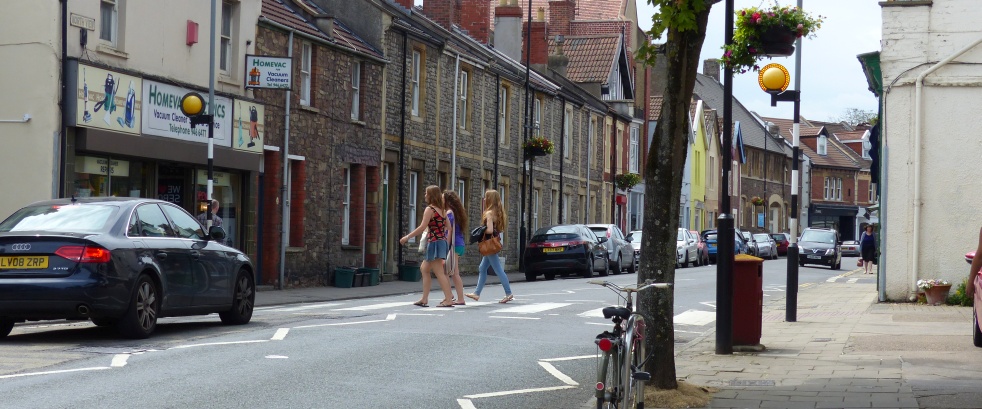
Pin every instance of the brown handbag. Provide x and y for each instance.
(489, 246)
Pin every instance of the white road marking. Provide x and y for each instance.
(695, 317)
(853, 280)
(532, 308)
(371, 307)
(390, 317)
(516, 318)
(276, 357)
(518, 391)
(280, 334)
(597, 313)
(309, 307)
(605, 324)
(466, 404)
(710, 304)
(568, 358)
(559, 375)
(832, 279)
(119, 360)
(218, 343)
(97, 368)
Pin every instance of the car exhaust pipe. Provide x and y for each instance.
(83, 309)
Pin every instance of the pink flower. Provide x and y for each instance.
(728, 53)
(755, 16)
(752, 50)
(801, 26)
(759, 20)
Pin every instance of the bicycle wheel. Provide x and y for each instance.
(634, 355)
(607, 380)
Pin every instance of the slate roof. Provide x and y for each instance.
(837, 154)
(833, 127)
(589, 10)
(711, 91)
(590, 58)
(279, 12)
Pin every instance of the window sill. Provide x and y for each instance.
(358, 122)
(225, 79)
(417, 118)
(350, 247)
(295, 250)
(107, 49)
(309, 108)
(464, 132)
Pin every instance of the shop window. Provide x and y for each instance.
(298, 198)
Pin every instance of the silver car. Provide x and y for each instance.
(686, 249)
(766, 246)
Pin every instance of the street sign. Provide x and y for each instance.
(268, 72)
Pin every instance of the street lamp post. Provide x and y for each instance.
(724, 231)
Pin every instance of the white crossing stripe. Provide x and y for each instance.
(308, 307)
(853, 280)
(532, 308)
(695, 317)
(597, 313)
(376, 306)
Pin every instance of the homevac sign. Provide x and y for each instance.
(268, 72)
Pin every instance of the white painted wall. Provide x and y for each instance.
(914, 39)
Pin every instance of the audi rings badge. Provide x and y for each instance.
(20, 247)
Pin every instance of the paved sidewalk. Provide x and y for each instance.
(846, 350)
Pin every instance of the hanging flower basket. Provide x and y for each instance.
(626, 181)
(538, 146)
(757, 201)
(769, 32)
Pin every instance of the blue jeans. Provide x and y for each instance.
(494, 262)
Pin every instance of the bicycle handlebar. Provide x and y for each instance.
(647, 284)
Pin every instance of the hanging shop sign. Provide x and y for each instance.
(162, 115)
(108, 100)
(268, 72)
(248, 126)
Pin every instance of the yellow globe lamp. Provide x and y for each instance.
(774, 78)
(192, 104)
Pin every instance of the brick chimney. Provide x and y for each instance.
(711, 68)
(475, 18)
(508, 29)
(539, 53)
(405, 3)
(443, 12)
(561, 13)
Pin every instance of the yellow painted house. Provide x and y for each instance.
(697, 202)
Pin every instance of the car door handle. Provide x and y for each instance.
(161, 255)
(195, 254)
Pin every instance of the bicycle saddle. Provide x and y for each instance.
(616, 312)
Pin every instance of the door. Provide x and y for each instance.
(169, 253)
(212, 278)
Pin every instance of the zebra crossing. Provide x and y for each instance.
(516, 309)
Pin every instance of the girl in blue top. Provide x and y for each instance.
(458, 224)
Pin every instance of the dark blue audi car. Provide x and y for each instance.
(122, 262)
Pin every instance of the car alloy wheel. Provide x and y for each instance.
(141, 318)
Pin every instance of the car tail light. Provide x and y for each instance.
(84, 254)
(536, 245)
(605, 344)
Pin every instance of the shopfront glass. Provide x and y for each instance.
(96, 176)
(225, 189)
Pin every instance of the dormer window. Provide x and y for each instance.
(866, 147)
(823, 145)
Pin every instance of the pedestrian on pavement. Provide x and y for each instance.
(215, 220)
(867, 248)
(974, 269)
(458, 224)
(435, 224)
(493, 216)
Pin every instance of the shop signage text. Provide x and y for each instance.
(82, 22)
(268, 72)
(162, 115)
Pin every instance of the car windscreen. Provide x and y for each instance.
(90, 218)
(680, 236)
(778, 237)
(636, 237)
(539, 238)
(601, 231)
(816, 236)
(762, 237)
(711, 237)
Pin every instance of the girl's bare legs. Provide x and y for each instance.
(424, 269)
(458, 283)
(441, 277)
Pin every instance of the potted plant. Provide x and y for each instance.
(757, 201)
(538, 146)
(935, 290)
(626, 181)
(762, 32)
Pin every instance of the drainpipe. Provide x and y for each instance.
(562, 158)
(918, 113)
(589, 160)
(453, 151)
(497, 125)
(402, 143)
(285, 223)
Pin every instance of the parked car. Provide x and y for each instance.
(850, 248)
(635, 238)
(686, 249)
(565, 249)
(819, 246)
(783, 240)
(620, 253)
(766, 246)
(702, 247)
(122, 262)
(710, 237)
(748, 238)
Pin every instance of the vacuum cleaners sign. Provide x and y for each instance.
(108, 100)
(162, 115)
(268, 72)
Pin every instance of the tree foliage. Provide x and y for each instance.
(856, 116)
(683, 23)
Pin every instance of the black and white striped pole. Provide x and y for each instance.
(774, 79)
(193, 106)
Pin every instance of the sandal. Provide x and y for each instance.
(459, 303)
(445, 304)
(421, 304)
(473, 296)
(507, 298)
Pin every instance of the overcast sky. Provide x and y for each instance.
(831, 78)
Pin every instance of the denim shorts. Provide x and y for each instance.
(437, 250)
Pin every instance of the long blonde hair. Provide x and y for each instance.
(434, 197)
(492, 204)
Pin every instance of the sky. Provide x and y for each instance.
(832, 79)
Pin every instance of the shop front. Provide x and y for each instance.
(838, 217)
(140, 145)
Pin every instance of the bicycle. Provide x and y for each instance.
(620, 374)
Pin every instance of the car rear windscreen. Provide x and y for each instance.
(539, 238)
(60, 218)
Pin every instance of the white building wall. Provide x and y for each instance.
(914, 39)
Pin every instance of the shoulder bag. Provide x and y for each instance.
(423, 242)
(489, 246)
(477, 233)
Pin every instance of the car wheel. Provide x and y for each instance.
(141, 318)
(616, 268)
(633, 269)
(550, 276)
(837, 266)
(5, 327)
(530, 276)
(606, 270)
(976, 333)
(103, 322)
(243, 301)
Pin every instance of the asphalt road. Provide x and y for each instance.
(535, 352)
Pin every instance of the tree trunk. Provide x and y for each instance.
(663, 189)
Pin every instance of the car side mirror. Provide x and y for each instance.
(601, 239)
(216, 233)
(630, 237)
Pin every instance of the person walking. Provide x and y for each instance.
(493, 216)
(458, 224)
(867, 248)
(435, 224)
